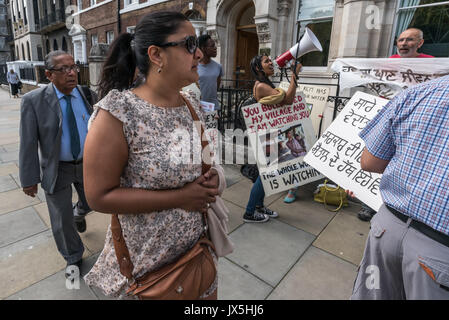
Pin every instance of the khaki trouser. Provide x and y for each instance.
(401, 263)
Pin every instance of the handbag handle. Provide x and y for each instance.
(121, 249)
(326, 189)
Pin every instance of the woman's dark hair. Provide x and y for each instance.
(257, 70)
(130, 51)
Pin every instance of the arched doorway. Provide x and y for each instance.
(55, 45)
(235, 33)
(247, 45)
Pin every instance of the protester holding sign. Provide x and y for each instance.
(262, 68)
(407, 251)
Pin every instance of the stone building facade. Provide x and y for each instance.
(345, 28)
(101, 21)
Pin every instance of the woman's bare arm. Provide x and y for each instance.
(105, 157)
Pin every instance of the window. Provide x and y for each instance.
(109, 37)
(131, 29)
(130, 2)
(317, 16)
(94, 40)
(13, 11)
(25, 12)
(93, 2)
(80, 5)
(432, 17)
(28, 51)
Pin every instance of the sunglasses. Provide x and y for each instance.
(190, 42)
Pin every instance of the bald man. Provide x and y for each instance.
(408, 44)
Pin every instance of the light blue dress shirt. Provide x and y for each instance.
(82, 118)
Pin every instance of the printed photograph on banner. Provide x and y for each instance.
(280, 138)
(316, 100)
(336, 154)
(289, 141)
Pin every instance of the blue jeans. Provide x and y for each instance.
(256, 196)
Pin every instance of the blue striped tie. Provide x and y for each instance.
(74, 134)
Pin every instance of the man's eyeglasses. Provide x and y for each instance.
(67, 69)
(190, 42)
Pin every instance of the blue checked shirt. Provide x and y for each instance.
(412, 132)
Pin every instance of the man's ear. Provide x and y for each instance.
(48, 74)
(155, 54)
(420, 43)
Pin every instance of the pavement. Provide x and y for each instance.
(306, 253)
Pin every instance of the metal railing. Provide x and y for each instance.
(3, 72)
(231, 99)
(83, 75)
(27, 73)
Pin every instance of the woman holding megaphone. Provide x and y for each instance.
(265, 92)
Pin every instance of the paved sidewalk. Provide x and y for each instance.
(306, 253)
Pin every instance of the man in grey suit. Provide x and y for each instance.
(53, 127)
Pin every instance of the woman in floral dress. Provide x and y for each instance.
(141, 157)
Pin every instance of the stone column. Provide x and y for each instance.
(83, 49)
(97, 57)
(284, 8)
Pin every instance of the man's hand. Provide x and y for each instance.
(30, 191)
(212, 179)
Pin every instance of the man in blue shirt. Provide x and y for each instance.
(53, 127)
(210, 72)
(407, 251)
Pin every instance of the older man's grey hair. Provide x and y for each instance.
(49, 58)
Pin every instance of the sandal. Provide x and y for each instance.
(291, 196)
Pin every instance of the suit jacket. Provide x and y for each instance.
(40, 136)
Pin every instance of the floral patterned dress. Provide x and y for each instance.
(159, 141)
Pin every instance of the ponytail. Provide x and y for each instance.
(119, 68)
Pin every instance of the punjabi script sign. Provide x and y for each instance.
(337, 152)
(388, 76)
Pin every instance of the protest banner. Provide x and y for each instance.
(337, 152)
(386, 76)
(280, 137)
(316, 100)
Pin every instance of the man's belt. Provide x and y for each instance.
(73, 162)
(422, 227)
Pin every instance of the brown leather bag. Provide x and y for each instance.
(185, 279)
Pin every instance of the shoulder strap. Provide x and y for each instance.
(204, 143)
(121, 250)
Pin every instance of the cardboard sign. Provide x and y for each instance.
(280, 138)
(337, 152)
(387, 76)
(316, 99)
(207, 106)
